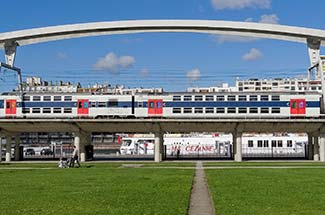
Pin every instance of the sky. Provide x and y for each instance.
(174, 61)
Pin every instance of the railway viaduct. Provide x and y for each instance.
(314, 38)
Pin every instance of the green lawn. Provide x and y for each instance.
(289, 163)
(268, 191)
(98, 189)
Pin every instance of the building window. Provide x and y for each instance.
(289, 143)
(46, 98)
(264, 97)
(56, 110)
(36, 110)
(242, 110)
(231, 110)
(209, 110)
(46, 110)
(275, 110)
(220, 110)
(231, 98)
(36, 98)
(209, 98)
(220, 98)
(275, 98)
(67, 110)
(198, 110)
(26, 110)
(198, 98)
(57, 98)
(250, 143)
(187, 98)
(264, 110)
(266, 143)
(177, 110)
(273, 143)
(112, 103)
(187, 110)
(242, 98)
(280, 143)
(259, 143)
(67, 98)
(253, 110)
(176, 98)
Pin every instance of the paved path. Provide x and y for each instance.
(201, 202)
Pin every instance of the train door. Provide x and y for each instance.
(11, 106)
(83, 106)
(297, 106)
(155, 107)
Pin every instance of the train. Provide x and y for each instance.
(260, 145)
(163, 105)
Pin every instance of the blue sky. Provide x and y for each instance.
(174, 61)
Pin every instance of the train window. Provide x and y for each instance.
(242, 110)
(93, 104)
(259, 143)
(250, 143)
(273, 143)
(56, 110)
(176, 98)
(231, 110)
(275, 110)
(67, 110)
(79, 104)
(242, 98)
(209, 110)
(151, 105)
(36, 110)
(280, 143)
(36, 98)
(177, 110)
(198, 98)
(264, 97)
(187, 98)
(209, 98)
(264, 110)
(289, 143)
(231, 98)
(253, 98)
(57, 98)
(67, 98)
(220, 110)
(140, 104)
(46, 98)
(101, 104)
(253, 110)
(275, 98)
(266, 143)
(26, 110)
(220, 98)
(198, 110)
(187, 110)
(46, 110)
(112, 103)
(26, 98)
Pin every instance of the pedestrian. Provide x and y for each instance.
(61, 163)
(75, 157)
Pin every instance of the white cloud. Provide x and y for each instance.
(240, 4)
(268, 19)
(113, 63)
(62, 55)
(144, 72)
(193, 75)
(253, 54)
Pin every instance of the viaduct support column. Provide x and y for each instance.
(76, 141)
(322, 147)
(17, 142)
(310, 155)
(316, 148)
(0, 148)
(237, 144)
(8, 148)
(159, 140)
(85, 140)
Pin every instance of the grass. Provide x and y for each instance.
(268, 191)
(98, 189)
(289, 163)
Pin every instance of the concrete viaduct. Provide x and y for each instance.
(314, 38)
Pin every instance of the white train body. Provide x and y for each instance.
(168, 105)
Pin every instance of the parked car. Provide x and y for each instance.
(30, 152)
(46, 152)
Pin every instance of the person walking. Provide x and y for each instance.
(75, 157)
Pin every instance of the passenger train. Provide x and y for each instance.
(164, 105)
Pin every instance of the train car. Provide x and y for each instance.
(166, 105)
